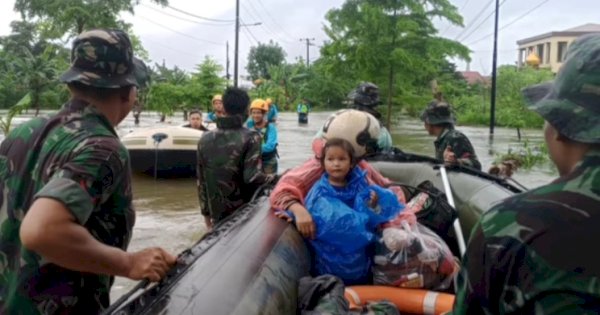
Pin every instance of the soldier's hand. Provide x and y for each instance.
(449, 156)
(150, 263)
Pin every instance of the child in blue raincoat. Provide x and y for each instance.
(346, 211)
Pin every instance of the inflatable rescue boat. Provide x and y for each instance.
(251, 262)
(163, 151)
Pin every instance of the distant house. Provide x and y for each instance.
(473, 77)
(550, 48)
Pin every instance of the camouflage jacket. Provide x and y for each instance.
(74, 157)
(535, 253)
(229, 167)
(460, 145)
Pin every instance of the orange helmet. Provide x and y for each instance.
(269, 101)
(259, 103)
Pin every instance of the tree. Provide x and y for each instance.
(37, 73)
(380, 40)
(205, 83)
(74, 16)
(29, 64)
(263, 56)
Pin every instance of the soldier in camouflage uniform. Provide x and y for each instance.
(536, 253)
(229, 165)
(66, 215)
(451, 145)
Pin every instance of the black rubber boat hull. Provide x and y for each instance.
(169, 163)
(251, 267)
(170, 150)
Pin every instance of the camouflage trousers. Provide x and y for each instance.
(270, 166)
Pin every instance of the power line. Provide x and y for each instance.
(475, 20)
(274, 21)
(450, 25)
(511, 22)
(255, 15)
(184, 19)
(182, 34)
(197, 16)
(248, 30)
(170, 48)
(485, 20)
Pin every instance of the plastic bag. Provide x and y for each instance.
(386, 208)
(413, 257)
(433, 211)
(341, 240)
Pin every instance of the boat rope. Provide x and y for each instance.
(158, 138)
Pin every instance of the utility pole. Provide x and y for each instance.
(308, 43)
(227, 61)
(237, 43)
(494, 66)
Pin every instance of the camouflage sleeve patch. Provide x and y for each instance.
(71, 194)
(90, 178)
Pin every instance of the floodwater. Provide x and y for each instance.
(168, 214)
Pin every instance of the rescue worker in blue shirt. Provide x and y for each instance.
(272, 114)
(259, 123)
(217, 106)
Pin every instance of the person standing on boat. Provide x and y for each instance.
(365, 97)
(451, 145)
(229, 165)
(195, 120)
(535, 253)
(268, 132)
(303, 109)
(67, 216)
(272, 114)
(217, 106)
(362, 131)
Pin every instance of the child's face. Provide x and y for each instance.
(337, 163)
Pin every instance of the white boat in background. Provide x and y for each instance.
(168, 151)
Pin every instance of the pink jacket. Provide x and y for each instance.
(294, 185)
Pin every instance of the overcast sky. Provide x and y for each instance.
(184, 40)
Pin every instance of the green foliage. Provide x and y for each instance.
(6, 122)
(527, 156)
(472, 102)
(393, 44)
(72, 17)
(263, 56)
(165, 97)
(174, 89)
(205, 83)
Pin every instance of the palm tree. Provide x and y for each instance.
(37, 74)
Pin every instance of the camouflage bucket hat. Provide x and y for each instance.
(571, 103)
(438, 112)
(104, 59)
